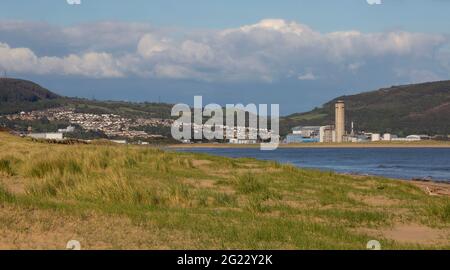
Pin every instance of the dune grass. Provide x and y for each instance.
(125, 197)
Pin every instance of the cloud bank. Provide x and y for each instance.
(270, 50)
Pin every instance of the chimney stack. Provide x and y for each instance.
(340, 121)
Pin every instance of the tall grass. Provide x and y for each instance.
(217, 202)
(5, 167)
(104, 174)
(249, 183)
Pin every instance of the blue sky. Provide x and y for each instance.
(323, 15)
(299, 53)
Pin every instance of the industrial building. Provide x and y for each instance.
(338, 134)
(307, 131)
(323, 134)
(376, 137)
(311, 134)
(387, 137)
(46, 136)
(357, 138)
(327, 134)
(297, 138)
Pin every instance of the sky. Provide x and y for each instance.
(296, 53)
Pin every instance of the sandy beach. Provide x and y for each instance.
(433, 188)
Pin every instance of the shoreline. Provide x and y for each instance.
(317, 145)
(430, 187)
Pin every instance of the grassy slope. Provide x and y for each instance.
(409, 109)
(140, 198)
(122, 108)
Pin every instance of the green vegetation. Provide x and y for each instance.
(19, 95)
(123, 197)
(122, 108)
(403, 110)
(41, 125)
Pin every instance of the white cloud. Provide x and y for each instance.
(309, 76)
(97, 65)
(195, 52)
(109, 36)
(374, 2)
(150, 45)
(17, 59)
(265, 51)
(23, 60)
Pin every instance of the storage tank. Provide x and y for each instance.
(376, 137)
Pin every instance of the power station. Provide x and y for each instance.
(324, 134)
(340, 121)
(337, 133)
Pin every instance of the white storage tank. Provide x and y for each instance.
(376, 137)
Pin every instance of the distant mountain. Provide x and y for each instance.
(15, 90)
(20, 95)
(408, 109)
(17, 95)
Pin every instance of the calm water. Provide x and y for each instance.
(389, 162)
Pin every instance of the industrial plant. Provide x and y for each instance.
(337, 133)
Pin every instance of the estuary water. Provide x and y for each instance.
(401, 163)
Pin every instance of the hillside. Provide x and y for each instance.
(17, 95)
(129, 197)
(14, 90)
(408, 109)
(20, 95)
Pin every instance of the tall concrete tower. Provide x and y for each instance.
(340, 121)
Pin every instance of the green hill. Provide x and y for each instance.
(13, 90)
(20, 95)
(408, 109)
